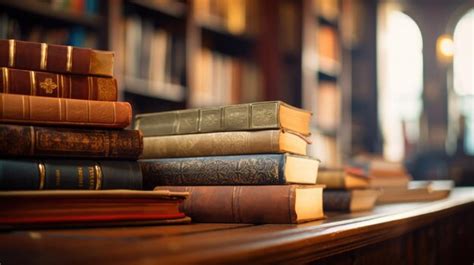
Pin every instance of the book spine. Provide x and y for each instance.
(239, 204)
(55, 58)
(337, 200)
(212, 144)
(14, 81)
(59, 111)
(69, 174)
(31, 141)
(252, 116)
(214, 170)
(332, 180)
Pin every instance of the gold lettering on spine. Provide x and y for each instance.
(32, 83)
(11, 53)
(44, 56)
(5, 80)
(98, 173)
(42, 175)
(80, 175)
(69, 59)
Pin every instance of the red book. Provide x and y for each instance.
(59, 111)
(55, 58)
(24, 208)
(15, 81)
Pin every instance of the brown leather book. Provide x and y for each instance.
(60, 111)
(350, 200)
(32, 141)
(285, 204)
(14, 81)
(224, 143)
(55, 58)
(340, 178)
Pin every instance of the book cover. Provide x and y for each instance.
(55, 174)
(261, 169)
(35, 83)
(85, 208)
(283, 204)
(242, 117)
(63, 112)
(224, 143)
(33, 141)
(55, 58)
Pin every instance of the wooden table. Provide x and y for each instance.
(440, 232)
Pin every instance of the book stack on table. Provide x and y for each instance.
(242, 163)
(61, 128)
(347, 189)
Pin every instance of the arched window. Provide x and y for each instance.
(463, 74)
(400, 82)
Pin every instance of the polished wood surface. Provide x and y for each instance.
(439, 232)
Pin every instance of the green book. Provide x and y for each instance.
(241, 117)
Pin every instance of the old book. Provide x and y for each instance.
(382, 173)
(58, 208)
(55, 58)
(349, 200)
(342, 178)
(251, 116)
(224, 143)
(283, 204)
(262, 169)
(14, 81)
(49, 174)
(417, 191)
(32, 141)
(59, 111)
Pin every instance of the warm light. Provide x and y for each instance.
(445, 47)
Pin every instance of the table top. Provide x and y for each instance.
(203, 243)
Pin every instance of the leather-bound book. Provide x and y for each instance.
(32, 141)
(343, 178)
(349, 200)
(60, 112)
(284, 204)
(224, 143)
(243, 117)
(55, 58)
(262, 169)
(66, 208)
(60, 174)
(14, 81)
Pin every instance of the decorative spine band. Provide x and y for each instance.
(42, 175)
(99, 177)
(5, 80)
(69, 59)
(44, 56)
(11, 53)
(32, 83)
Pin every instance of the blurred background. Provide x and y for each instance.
(386, 78)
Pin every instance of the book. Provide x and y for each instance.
(83, 208)
(417, 191)
(283, 204)
(224, 143)
(261, 169)
(33, 141)
(242, 117)
(54, 174)
(35, 83)
(63, 112)
(340, 178)
(350, 200)
(55, 58)
(382, 173)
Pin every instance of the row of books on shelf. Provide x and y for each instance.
(83, 7)
(17, 28)
(222, 79)
(153, 54)
(245, 163)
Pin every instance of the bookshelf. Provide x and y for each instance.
(326, 79)
(77, 23)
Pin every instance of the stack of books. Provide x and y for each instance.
(242, 163)
(347, 189)
(61, 128)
